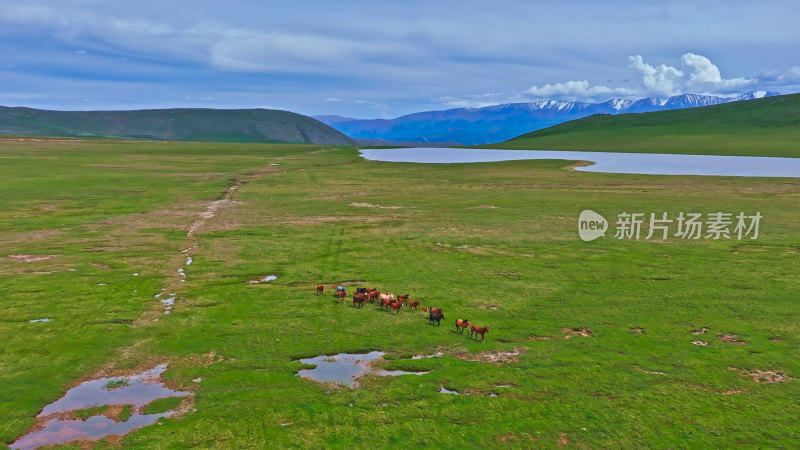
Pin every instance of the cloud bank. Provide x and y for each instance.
(695, 75)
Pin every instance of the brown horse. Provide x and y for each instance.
(476, 330)
(403, 298)
(320, 289)
(424, 309)
(462, 325)
(374, 295)
(359, 299)
(340, 295)
(413, 304)
(396, 306)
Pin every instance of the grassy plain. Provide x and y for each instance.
(496, 243)
(763, 127)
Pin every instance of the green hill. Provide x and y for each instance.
(216, 125)
(763, 127)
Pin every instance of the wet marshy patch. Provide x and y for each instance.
(345, 368)
(103, 407)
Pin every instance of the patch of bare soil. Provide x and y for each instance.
(708, 389)
(769, 376)
(540, 338)
(700, 343)
(637, 330)
(210, 212)
(101, 265)
(30, 258)
(370, 205)
(577, 164)
(563, 439)
(498, 358)
(484, 207)
(732, 338)
(775, 339)
(703, 330)
(331, 219)
(489, 307)
(651, 372)
(479, 250)
(572, 332)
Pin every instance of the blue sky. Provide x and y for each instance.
(383, 59)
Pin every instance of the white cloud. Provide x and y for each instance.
(662, 80)
(700, 76)
(575, 90)
(705, 75)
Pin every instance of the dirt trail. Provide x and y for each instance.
(176, 274)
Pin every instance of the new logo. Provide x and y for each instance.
(591, 225)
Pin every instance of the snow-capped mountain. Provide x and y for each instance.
(472, 126)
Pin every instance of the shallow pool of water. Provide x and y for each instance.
(608, 162)
(346, 367)
(263, 280)
(138, 390)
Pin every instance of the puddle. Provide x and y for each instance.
(180, 271)
(101, 284)
(397, 373)
(435, 355)
(197, 380)
(136, 274)
(346, 367)
(189, 261)
(168, 302)
(40, 320)
(444, 390)
(142, 388)
(264, 280)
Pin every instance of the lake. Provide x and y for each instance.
(608, 162)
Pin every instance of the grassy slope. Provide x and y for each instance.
(215, 125)
(763, 127)
(467, 237)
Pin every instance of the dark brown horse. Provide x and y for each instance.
(320, 289)
(359, 299)
(436, 315)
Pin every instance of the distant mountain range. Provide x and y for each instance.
(214, 125)
(475, 126)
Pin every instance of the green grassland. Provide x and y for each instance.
(178, 124)
(763, 127)
(495, 243)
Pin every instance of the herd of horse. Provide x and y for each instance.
(396, 304)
